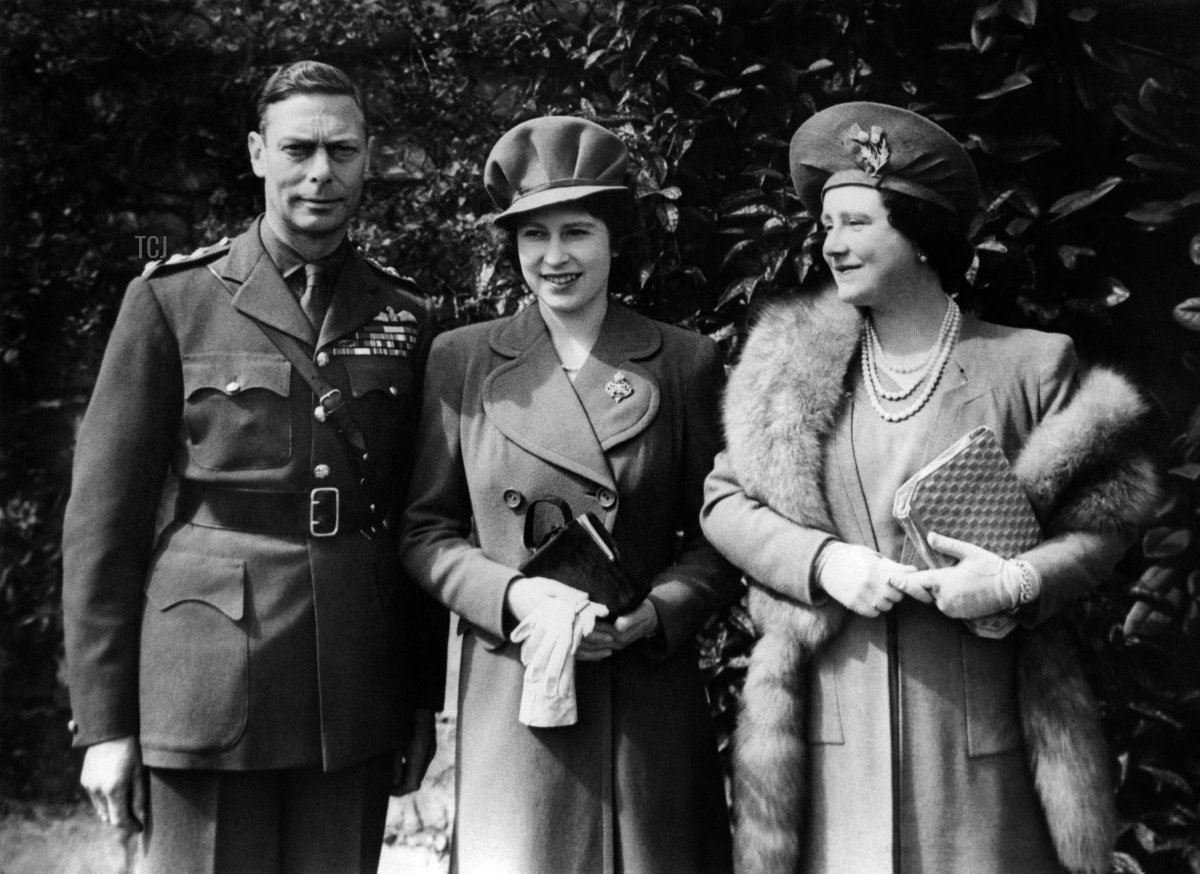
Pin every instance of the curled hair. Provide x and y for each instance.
(306, 77)
(619, 214)
(935, 231)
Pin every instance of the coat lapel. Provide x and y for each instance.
(261, 292)
(847, 481)
(355, 300)
(962, 381)
(623, 341)
(532, 402)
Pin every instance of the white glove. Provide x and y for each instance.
(549, 637)
(860, 578)
(979, 584)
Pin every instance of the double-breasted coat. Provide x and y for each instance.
(635, 785)
(251, 643)
(916, 759)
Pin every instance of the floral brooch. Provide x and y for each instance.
(872, 149)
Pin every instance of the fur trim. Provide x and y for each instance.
(781, 408)
(1067, 750)
(782, 402)
(1077, 466)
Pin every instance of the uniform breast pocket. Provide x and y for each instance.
(382, 388)
(194, 687)
(379, 378)
(236, 410)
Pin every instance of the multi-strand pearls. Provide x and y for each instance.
(928, 372)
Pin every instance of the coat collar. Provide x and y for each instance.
(574, 424)
(262, 294)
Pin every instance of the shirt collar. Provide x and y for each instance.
(288, 260)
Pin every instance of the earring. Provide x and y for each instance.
(922, 257)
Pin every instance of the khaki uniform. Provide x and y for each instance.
(245, 634)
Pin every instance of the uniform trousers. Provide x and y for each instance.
(291, 821)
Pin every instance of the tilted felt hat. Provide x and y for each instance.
(550, 160)
(886, 147)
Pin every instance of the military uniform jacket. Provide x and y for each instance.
(228, 648)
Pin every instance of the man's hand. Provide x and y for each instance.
(412, 761)
(112, 776)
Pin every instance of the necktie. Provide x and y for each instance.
(315, 299)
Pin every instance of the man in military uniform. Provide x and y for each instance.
(243, 678)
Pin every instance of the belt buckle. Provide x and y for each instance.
(331, 401)
(324, 511)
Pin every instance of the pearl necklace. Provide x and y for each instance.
(878, 361)
(947, 337)
(895, 369)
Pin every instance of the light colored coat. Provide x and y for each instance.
(816, 725)
(635, 785)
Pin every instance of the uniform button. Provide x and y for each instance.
(233, 387)
(606, 497)
(72, 726)
(321, 471)
(393, 391)
(513, 498)
(322, 358)
(319, 414)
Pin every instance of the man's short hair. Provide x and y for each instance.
(306, 77)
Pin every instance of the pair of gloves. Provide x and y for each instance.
(981, 588)
(549, 636)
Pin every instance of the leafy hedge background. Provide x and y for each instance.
(126, 120)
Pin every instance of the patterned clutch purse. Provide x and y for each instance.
(970, 493)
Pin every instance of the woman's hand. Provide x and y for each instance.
(609, 637)
(551, 633)
(860, 578)
(526, 593)
(980, 584)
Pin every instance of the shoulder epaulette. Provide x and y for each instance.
(390, 273)
(204, 253)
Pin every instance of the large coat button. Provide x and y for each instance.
(322, 359)
(321, 471)
(513, 499)
(606, 497)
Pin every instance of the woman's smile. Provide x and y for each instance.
(566, 256)
(561, 279)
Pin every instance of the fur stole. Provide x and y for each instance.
(1081, 473)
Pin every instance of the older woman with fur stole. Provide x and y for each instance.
(880, 732)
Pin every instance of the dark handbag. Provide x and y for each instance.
(580, 553)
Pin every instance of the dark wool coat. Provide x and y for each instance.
(817, 693)
(635, 785)
(238, 649)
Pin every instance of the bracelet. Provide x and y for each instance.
(1027, 585)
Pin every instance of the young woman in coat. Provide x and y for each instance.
(880, 733)
(575, 396)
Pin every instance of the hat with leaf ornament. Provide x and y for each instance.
(883, 147)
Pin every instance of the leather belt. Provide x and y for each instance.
(320, 512)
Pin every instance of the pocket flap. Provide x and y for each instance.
(233, 372)
(369, 374)
(176, 577)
